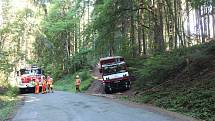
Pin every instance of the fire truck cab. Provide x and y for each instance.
(114, 73)
(26, 77)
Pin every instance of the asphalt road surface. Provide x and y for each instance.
(64, 106)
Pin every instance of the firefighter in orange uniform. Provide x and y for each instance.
(77, 83)
(50, 84)
(44, 86)
(37, 86)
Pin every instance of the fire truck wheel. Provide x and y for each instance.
(21, 90)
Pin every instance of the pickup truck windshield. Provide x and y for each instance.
(114, 69)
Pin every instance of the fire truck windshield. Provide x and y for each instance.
(30, 72)
(114, 69)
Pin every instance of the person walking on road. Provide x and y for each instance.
(77, 83)
(50, 84)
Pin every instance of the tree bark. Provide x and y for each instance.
(139, 32)
(188, 23)
(197, 26)
(169, 22)
(132, 36)
(213, 16)
(201, 25)
(175, 23)
(160, 26)
(208, 18)
(144, 47)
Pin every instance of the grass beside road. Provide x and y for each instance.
(68, 82)
(8, 100)
(194, 99)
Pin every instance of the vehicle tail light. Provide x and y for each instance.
(125, 78)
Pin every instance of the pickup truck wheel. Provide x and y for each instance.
(129, 86)
(108, 90)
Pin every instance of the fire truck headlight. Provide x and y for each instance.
(32, 82)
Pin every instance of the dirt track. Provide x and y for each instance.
(96, 86)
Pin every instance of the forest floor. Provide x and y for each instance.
(96, 86)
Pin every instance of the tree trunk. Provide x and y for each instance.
(197, 26)
(169, 22)
(208, 18)
(205, 24)
(144, 47)
(201, 25)
(158, 29)
(188, 23)
(139, 32)
(213, 15)
(175, 23)
(111, 44)
(132, 36)
(124, 28)
(180, 27)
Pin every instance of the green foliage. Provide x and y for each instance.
(107, 15)
(12, 91)
(5, 66)
(161, 65)
(12, 43)
(164, 65)
(8, 101)
(67, 83)
(163, 80)
(197, 3)
(59, 47)
(195, 101)
(7, 106)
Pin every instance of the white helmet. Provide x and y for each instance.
(77, 76)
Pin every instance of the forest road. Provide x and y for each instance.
(67, 106)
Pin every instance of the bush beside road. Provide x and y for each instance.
(8, 101)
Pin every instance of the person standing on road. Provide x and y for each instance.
(37, 86)
(77, 83)
(50, 84)
(44, 86)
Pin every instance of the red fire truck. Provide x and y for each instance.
(114, 73)
(26, 77)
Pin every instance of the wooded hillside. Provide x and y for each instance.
(68, 35)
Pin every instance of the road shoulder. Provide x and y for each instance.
(151, 108)
(20, 102)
